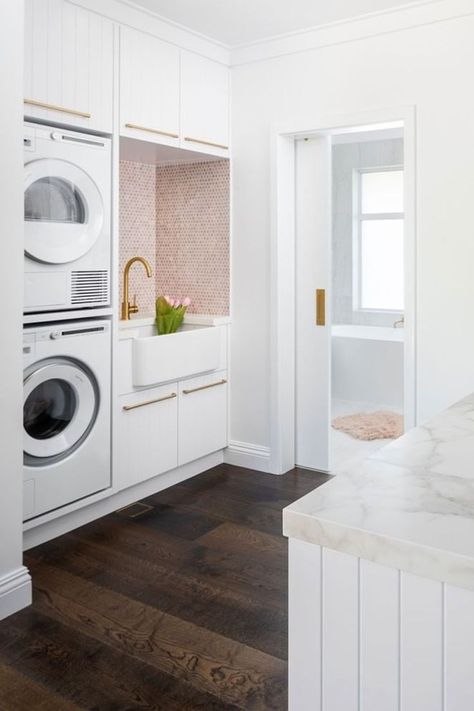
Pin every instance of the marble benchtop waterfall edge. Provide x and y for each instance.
(409, 506)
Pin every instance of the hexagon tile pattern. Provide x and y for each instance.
(137, 213)
(192, 238)
(177, 217)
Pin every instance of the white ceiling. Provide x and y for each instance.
(236, 22)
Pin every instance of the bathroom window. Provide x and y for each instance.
(378, 240)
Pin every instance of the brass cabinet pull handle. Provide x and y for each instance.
(126, 408)
(204, 387)
(151, 130)
(320, 307)
(206, 143)
(56, 107)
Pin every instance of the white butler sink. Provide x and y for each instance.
(156, 359)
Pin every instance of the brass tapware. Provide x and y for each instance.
(320, 307)
(204, 387)
(57, 107)
(148, 402)
(127, 307)
(151, 130)
(206, 143)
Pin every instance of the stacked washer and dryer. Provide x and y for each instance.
(66, 342)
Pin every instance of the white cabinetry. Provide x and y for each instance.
(204, 104)
(149, 88)
(68, 65)
(147, 435)
(202, 416)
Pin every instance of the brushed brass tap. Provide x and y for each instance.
(127, 307)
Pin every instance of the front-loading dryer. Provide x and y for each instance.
(66, 413)
(67, 219)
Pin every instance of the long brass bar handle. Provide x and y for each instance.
(320, 307)
(151, 130)
(126, 408)
(206, 143)
(57, 107)
(204, 387)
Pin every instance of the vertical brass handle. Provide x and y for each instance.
(320, 307)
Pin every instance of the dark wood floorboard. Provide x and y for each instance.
(183, 608)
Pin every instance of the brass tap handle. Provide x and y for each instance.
(133, 308)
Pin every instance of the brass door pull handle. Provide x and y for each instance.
(127, 408)
(320, 307)
(204, 387)
(57, 107)
(151, 130)
(206, 143)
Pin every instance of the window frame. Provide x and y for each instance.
(358, 219)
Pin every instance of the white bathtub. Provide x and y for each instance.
(367, 364)
(370, 333)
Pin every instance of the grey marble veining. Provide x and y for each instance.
(409, 506)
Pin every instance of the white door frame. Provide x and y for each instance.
(282, 270)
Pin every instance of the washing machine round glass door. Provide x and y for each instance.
(60, 404)
(64, 211)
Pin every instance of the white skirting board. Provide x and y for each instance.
(250, 456)
(365, 637)
(15, 591)
(80, 514)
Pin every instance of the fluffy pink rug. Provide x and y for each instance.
(371, 425)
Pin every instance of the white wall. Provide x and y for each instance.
(14, 580)
(427, 66)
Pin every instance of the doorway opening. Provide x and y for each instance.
(343, 268)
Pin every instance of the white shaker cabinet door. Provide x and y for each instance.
(204, 104)
(69, 54)
(149, 88)
(202, 416)
(147, 435)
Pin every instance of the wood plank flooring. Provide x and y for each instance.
(182, 608)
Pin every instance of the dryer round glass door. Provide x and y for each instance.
(60, 404)
(64, 211)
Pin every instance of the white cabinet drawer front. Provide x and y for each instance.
(149, 88)
(202, 416)
(147, 434)
(68, 65)
(204, 104)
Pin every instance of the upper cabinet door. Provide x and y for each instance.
(149, 88)
(204, 104)
(69, 55)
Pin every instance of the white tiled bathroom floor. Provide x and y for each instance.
(346, 451)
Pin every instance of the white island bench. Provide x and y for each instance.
(382, 578)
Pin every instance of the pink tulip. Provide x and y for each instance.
(177, 303)
(167, 298)
(186, 301)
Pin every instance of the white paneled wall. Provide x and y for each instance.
(364, 637)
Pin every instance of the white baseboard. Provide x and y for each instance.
(15, 591)
(250, 456)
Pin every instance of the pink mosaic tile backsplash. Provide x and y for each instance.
(138, 229)
(177, 217)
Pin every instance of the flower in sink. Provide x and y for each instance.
(170, 313)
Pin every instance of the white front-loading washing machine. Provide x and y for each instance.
(66, 413)
(67, 219)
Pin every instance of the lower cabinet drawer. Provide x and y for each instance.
(202, 416)
(147, 434)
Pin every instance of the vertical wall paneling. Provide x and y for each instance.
(69, 63)
(340, 631)
(379, 637)
(304, 626)
(459, 649)
(421, 651)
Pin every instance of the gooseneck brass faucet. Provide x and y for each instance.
(127, 307)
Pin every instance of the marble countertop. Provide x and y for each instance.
(409, 506)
